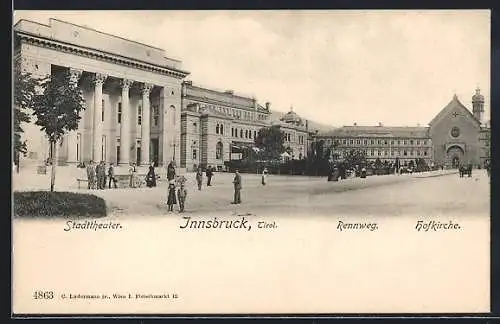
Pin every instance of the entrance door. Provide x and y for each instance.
(455, 156)
(154, 150)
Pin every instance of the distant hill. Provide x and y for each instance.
(276, 115)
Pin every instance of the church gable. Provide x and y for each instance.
(454, 109)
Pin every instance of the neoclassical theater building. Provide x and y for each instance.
(215, 125)
(131, 90)
(135, 97)
(454, 136)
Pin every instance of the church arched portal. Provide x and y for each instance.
(455, 156)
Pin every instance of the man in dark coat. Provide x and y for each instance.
(209, 174)
(237, 188)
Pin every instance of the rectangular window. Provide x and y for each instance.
(139, 115)
(418, 142)
(194, 154)
(352, 142)
(119, 113)
(405, 142)
(156, 115)
(103, 148)
(344, 142)
(118, 154)
(372, 142)
(411, 142)
(358, 142)
(102, 110)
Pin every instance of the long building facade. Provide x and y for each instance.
(132, 94)
(455, 136)
(216, 124)
(140, 109)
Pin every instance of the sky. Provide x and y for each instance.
(333, 67)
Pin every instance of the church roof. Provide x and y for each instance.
(378, 131)
(449, 107)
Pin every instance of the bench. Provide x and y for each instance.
(80, 181)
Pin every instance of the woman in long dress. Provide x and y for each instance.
(151, 177)
(133, 176)
(171, 200)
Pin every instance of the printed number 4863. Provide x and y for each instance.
(43, 295)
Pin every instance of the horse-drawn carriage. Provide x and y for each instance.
(465, 170)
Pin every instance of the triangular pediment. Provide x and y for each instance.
(454, 107)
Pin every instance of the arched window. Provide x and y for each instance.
(172, 115)
(218, 151)
(217, 129)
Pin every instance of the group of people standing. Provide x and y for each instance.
(97, 177)
(175, 183)
(209, 172)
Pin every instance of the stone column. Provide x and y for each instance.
(145, 124)
(72, 136)
(125, 124)
(98, 81)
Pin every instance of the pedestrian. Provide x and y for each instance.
(209, 175)
(363, 173)
(103, 175)
(171, 200)
(237, 187)
(264, 176)
(170, 171)
(133, 175)
(181, 194)
(99, 172)
(111, 175)
(151, 177)
(91, 175)
(199, 178)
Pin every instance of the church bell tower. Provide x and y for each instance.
(478, 105)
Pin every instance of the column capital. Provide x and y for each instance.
(74, 75)
(99, 78)
(126, 83)
(146, 88)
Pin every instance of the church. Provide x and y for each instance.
(455, 136)
(459, 136)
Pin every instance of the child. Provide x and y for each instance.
(264, 176)
(171, 201)
(181, 194)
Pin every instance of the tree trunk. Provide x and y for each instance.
(18, 155)
(53, 169)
